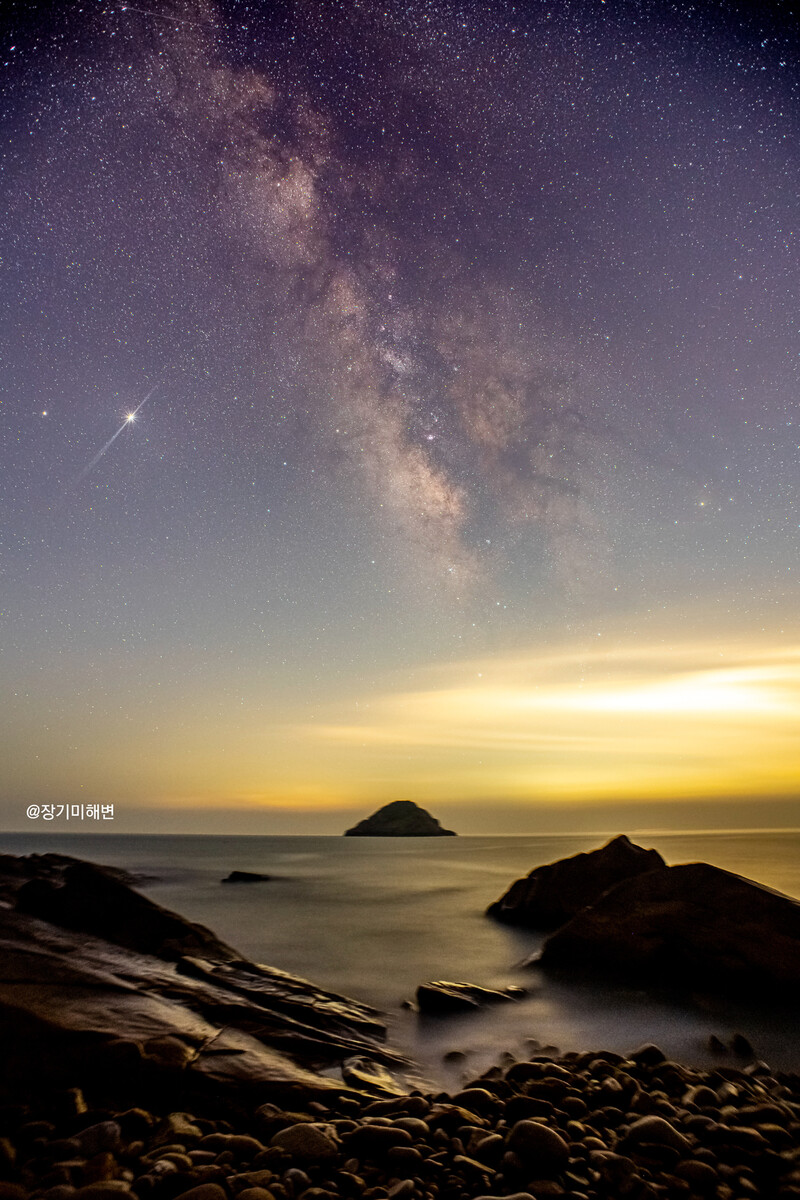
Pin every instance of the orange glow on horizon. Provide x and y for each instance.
(588, 723)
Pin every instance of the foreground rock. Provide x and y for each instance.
(688, 927)
(101, 986)
(591, 1126)
(402, 818)
(442, 998)
(81, 896)
(554, 893)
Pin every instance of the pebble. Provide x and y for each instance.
(371, 1140)
(204, 1191)
(538, 1147)
(178, 1127)
(588, 1127)
(309, 1142)
(297, 1178)
(106, 1135)
(110, 1189)
(656, 1131)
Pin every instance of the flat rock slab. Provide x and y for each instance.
(442, 998)
(155, 1021)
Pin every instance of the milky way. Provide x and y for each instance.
(474, 326)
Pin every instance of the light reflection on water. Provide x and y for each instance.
(373, 918)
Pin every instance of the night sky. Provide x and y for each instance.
(463, 343)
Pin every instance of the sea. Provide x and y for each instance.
(372, 918)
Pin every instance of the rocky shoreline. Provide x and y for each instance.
(144, 1059)
(589, 1126)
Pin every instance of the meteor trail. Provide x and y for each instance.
(149, 12)
(129, 419)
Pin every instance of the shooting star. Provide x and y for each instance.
(129, 420)
(149, 12)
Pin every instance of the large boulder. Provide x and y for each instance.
(103, 989)
(79, 895)
(401, 818)
(553, 894)
(687, 927)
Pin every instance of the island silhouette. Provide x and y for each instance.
(401, 818)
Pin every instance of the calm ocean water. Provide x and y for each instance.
(373, 918)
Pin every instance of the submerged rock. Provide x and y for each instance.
(401, 818)
(552, 894)
(687, 927)
(442, 998)
(245, 877)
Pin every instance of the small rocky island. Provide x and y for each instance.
(401, 818)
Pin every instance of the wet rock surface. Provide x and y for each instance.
(686, 928)
(86, 898)
(606, 1127)
(442, 998)
(154, 1006)
(401, 818)
(550, 895)
(620, 911)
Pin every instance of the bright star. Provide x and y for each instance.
(131, 416)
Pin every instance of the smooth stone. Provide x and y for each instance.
(536, 1145)
(309, 1142)
(703, 1096)
(297, 1178)
(418, 1128)
(512, 1196)
(178, 1127)
(648, 1055)
(656, 1131)
(204, 1191)
(107, 1189)
(106, 1135)
(377, 1140)
(243, 1147)
(262, 1179)
(478, 1100)
(402, 1189)
(700, 1175)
